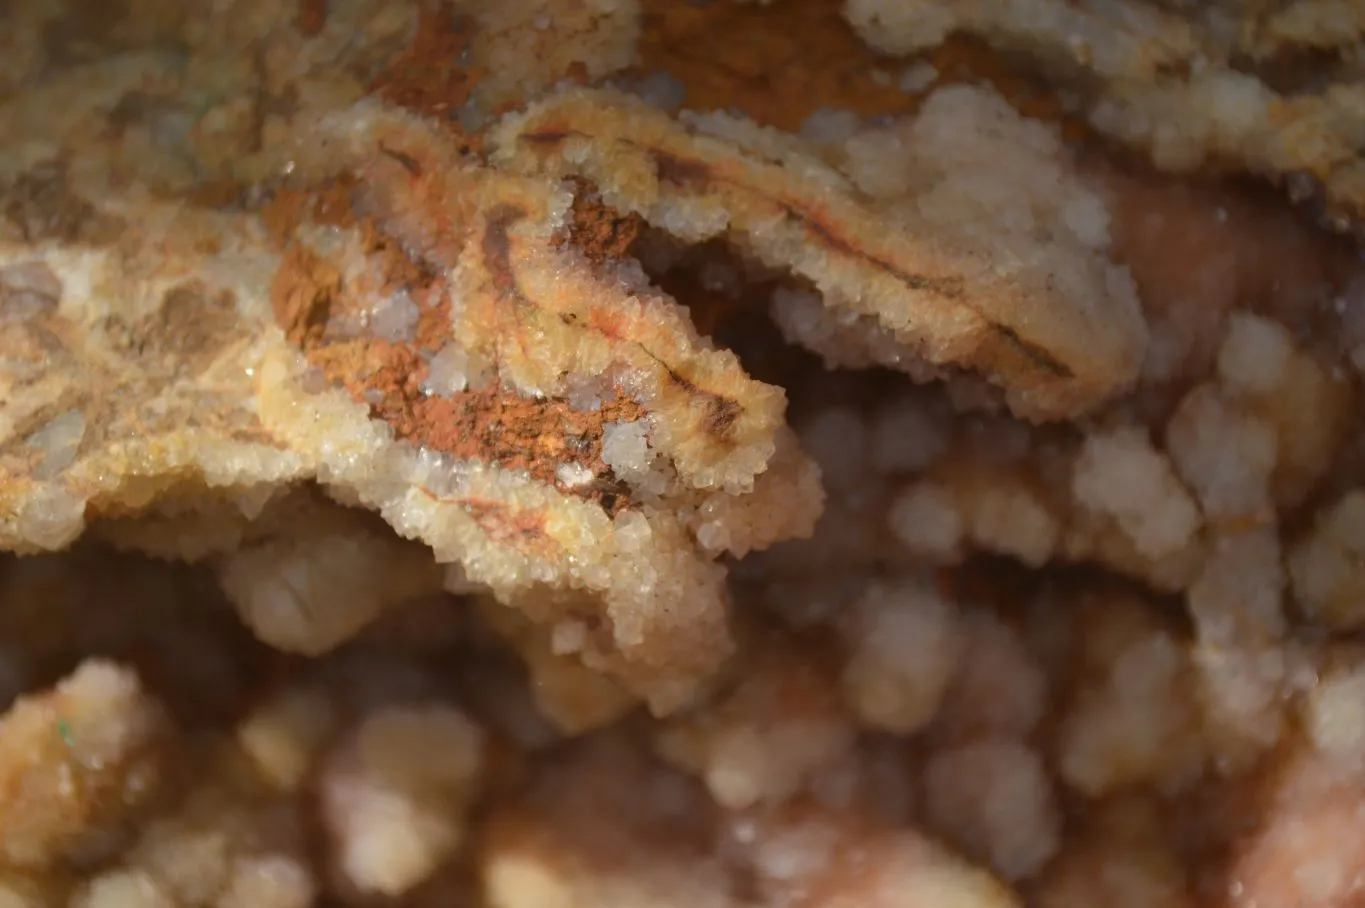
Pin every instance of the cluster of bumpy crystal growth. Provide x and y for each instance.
(782, 454)
(947, 302)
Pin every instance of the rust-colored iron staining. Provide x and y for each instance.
(536, 304)
(518, 432)
(597, 230)
(728, 56)
(433, 77)
(537, 313)
(493, 423)
(327, 205)
(302, 296)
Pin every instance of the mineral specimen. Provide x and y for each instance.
(622, 452)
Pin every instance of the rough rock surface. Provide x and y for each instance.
(627, 452)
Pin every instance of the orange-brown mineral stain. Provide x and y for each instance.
(328, 205)
(780, 63)
(492, 423)
(302, 294)
(599, 231)
(433, 77)
(777, 64)
(498, 425)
